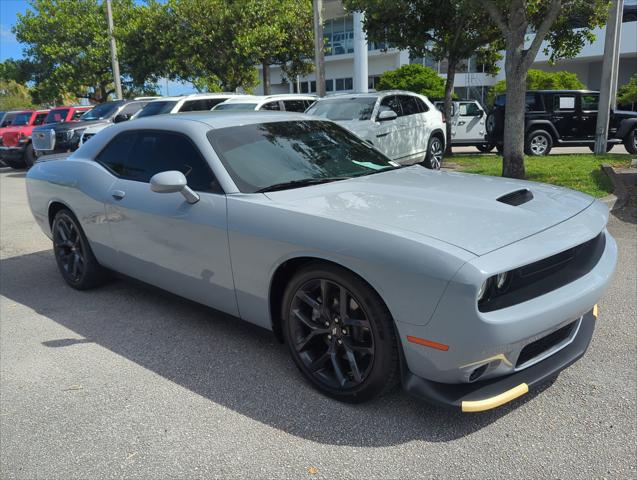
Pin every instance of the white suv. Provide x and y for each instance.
(468, 124)
(405, 126)
(284, 102)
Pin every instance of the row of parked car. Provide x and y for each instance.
(405, 126)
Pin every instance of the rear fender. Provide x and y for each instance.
(625, 127)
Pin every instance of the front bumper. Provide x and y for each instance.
(488, 394)
(12, 153)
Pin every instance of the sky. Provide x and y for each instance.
(10, 48)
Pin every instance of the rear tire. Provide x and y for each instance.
(73, 254)
(538, 143)
(340, 333)
(486, 147)
(630, 142)
(435, 152)
(609, 146)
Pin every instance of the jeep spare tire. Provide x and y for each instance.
(495, 122)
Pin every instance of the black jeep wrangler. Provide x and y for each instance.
(562, 118)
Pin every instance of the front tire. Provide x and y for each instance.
(73, 254)
(340, 334)
(538, 143)
(29, 156)
(15, 164)
(486, 147)
(435, 152)
(630, 142)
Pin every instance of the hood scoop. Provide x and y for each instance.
(516, 198)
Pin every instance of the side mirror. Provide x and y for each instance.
(173, 181)
(122, 117)
(386, 115)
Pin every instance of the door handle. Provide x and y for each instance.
(462, 122)
(118, 194)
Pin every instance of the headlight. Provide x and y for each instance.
(75, 134)
(483, 289)
(501, 280)
(493, 286)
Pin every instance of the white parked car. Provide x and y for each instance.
(468, 127)
(405, 126)
(283, 102)
(163, 105)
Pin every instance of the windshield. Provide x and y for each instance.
(156, 108)
(7, 119)
(21, 118)
(235, 106)
(353, 108)
(104, 110)
(261, 155)
(57, 115)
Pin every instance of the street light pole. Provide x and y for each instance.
(114, 61)
(610, 67)
(319, 58)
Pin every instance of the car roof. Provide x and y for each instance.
(556, 91)
(382, 93)
(194, 96)
(223, 118)
(263, 98)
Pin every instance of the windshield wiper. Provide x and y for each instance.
(382, 170)
(299, 183)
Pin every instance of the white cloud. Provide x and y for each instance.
(6, 35)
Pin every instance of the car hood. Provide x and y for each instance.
(456, 208)
(64, 126)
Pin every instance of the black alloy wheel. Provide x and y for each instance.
(73, 254)
(340, 335)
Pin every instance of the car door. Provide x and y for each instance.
(565, 115)
(468, 124)
(387, 132)
(589, 104)
(160, 238)
(415, 131)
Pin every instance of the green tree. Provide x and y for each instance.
(414, 78)
(541, 80)
(66, 44)
(566, 25)
(14, 95)
(451, 30)
(627, 93)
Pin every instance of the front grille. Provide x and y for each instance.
(544, 344)
(43, 140)
(544, 276)
(10, 139)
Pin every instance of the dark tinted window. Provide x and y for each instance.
(22, 118)
(271, 106)
(132, 108)
(500, 101)
(352, 108)
(421, 105)
(534, 102)
(8, 119)
(391, 103)
(104, 110)
(39, 119)
(57, 115)
(295, 105)
(409, 105)
(261, 155)
(77, 114)
(156, 108)
(590, 101)
(200, 105)
(141, 154)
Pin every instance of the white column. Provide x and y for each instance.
(360, 54)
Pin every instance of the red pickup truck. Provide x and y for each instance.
(16, 149)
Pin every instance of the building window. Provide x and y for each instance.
(338, 35)
(313, 86)
(372, 82)
(329, 85)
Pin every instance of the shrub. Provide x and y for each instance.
(414, 78)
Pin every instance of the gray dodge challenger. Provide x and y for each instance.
(469, 290)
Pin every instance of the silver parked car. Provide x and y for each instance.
(468, 289)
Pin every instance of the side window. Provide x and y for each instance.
(295, 105)
(132, 108)
(151, 152)
(200, 105)
(472, 110)
(408, 104)
(563, 103)
(271, 106)
(77, 114)
(213, 102)
(422, 106)
(590, 102)
(115, 155)
(533, 102)
(391, 103)
(39, 118)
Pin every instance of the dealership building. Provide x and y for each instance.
(341, 30)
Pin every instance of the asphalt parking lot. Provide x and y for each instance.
(128, 381)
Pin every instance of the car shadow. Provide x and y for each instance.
(224, 359)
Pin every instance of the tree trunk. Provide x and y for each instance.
(266, 78)
(451, 75)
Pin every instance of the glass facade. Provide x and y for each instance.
(338, 34)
